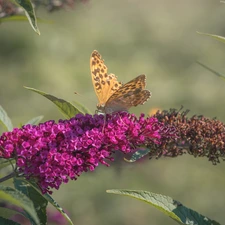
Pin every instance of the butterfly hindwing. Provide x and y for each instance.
(130, 94)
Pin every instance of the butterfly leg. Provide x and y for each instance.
(104, 123)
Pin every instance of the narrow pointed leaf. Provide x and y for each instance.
(66, 108)
(82, 108)
(211, 70)
(138, 155)
(58, 207)
(5, 120)
(35, 120)
(168, 206)
(40, 203)
(13, 18)
(30, 13)
(4, 221)
(18, 199)
(7, 213)
(50, 200)
(217, 37)
(23, 18)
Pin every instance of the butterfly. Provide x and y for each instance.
(114, 96)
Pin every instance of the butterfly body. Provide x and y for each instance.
(114, 96)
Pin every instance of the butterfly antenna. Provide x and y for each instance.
(80, 95)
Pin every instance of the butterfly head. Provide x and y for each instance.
(100, 108)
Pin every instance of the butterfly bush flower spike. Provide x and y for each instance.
(198, 136)
(52, 153)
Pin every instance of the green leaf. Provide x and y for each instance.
(4, 221)
(18, 199)
(217, 37)
(7, 213)
(58, 207)
(49, 199)
(211, 70)
(30, 13)
(5, 120)
(168, 206)
(138, 155)
(82, 108)
(66, 108)
(13, 18)
(40, 203)
(35, 120)
(23, 18)
(6, 163)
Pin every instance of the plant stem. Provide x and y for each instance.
(11, 175)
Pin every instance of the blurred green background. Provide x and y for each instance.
(157, 38)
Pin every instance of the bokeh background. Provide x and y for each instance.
(157, 38)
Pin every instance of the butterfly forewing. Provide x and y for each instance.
(104, 84)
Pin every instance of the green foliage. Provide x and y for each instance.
(168, 206)
(35, 120)
(5, 163)
(217, 37)
(7, 213)
(82, 108)
(38, 200)
(43, 199)
(16, 198)
(4, 221)
(212, 70)
(66, 108)
(58, 207)
(5, 120)
(138, 155)
(221, 39)
(14, 18)
(30, 13)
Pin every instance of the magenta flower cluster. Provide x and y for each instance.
(51, 152)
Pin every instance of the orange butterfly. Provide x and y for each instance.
(113, 96)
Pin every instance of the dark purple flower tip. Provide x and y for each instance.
(198, 136)
(53, 153)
